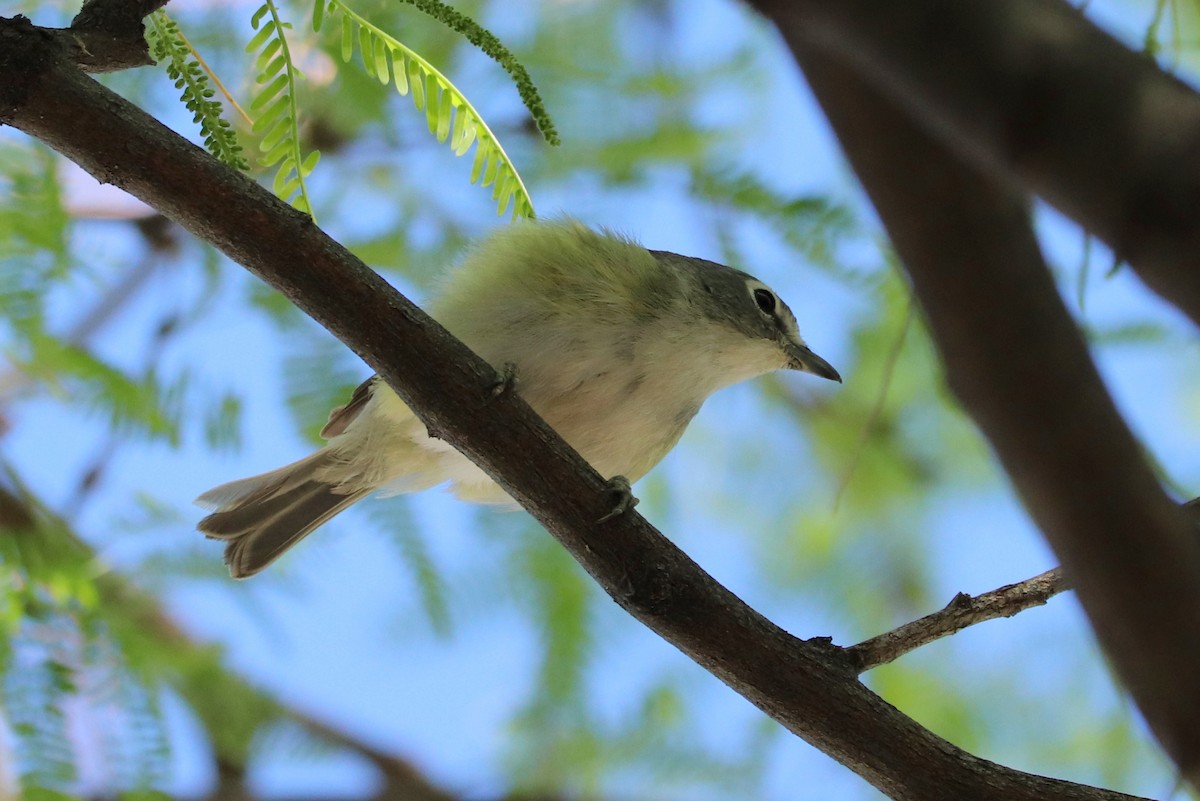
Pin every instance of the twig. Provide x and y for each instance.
(215, 79)
(92, 477)
(869, 425)
(103, 311)
(398, 772)
(962, 611)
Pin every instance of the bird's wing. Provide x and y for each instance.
(342, 416)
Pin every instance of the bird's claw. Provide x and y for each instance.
(506, 380)
(624, 501)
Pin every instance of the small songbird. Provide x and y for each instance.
(615, 346)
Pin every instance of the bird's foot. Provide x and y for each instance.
(621, 491)
(506, 380)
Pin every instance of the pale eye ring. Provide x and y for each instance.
(765, 300)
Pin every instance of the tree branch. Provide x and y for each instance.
(402, 778)
(962, 611)
(808, 686)
(1034, 93)
(105, 36)
(120, 17)
(1019, 365)
(133, 614)
(14, 381)
(109, 34)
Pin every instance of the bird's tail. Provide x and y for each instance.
(262, 516)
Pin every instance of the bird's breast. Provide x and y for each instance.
(620, 414)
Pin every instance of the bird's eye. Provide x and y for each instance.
(765, 300)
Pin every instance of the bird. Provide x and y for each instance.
(615, 346)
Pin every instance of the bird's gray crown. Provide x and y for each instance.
(733, 298)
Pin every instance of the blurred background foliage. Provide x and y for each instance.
(419, 649)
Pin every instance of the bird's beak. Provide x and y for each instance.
(801, 358)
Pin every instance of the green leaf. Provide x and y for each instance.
(259, 39)
(482, 152)
(272, 114)
(444, 114)
(416, 80)
(268, 92)
(277, 134)
(381, 61)
(275, 67)
(366, 47)
(493, 168)
(432, 116)
(286, 181)
(132, 404)
(487, 42)
(462, 135)
(310, 163)
(276, 104)
(399, 71)
(347, 39)
(271, 157)
(394, 519)
(172, 50)
(258, 15)
(266, 54)
(222, 423)
(411, 72)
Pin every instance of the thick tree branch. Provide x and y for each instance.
(109, 34)
(1018, 363)
(962, 611)
(810, 687)
(105, 36)
(1039, 96)
(120, 17)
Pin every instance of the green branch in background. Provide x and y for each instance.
(58, 651)
(275, 105)
(487, 42)
(450, 116)
(169, 48)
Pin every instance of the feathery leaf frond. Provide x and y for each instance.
(491, 46)
(169, 47)
(451, 117)
(275, 106)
